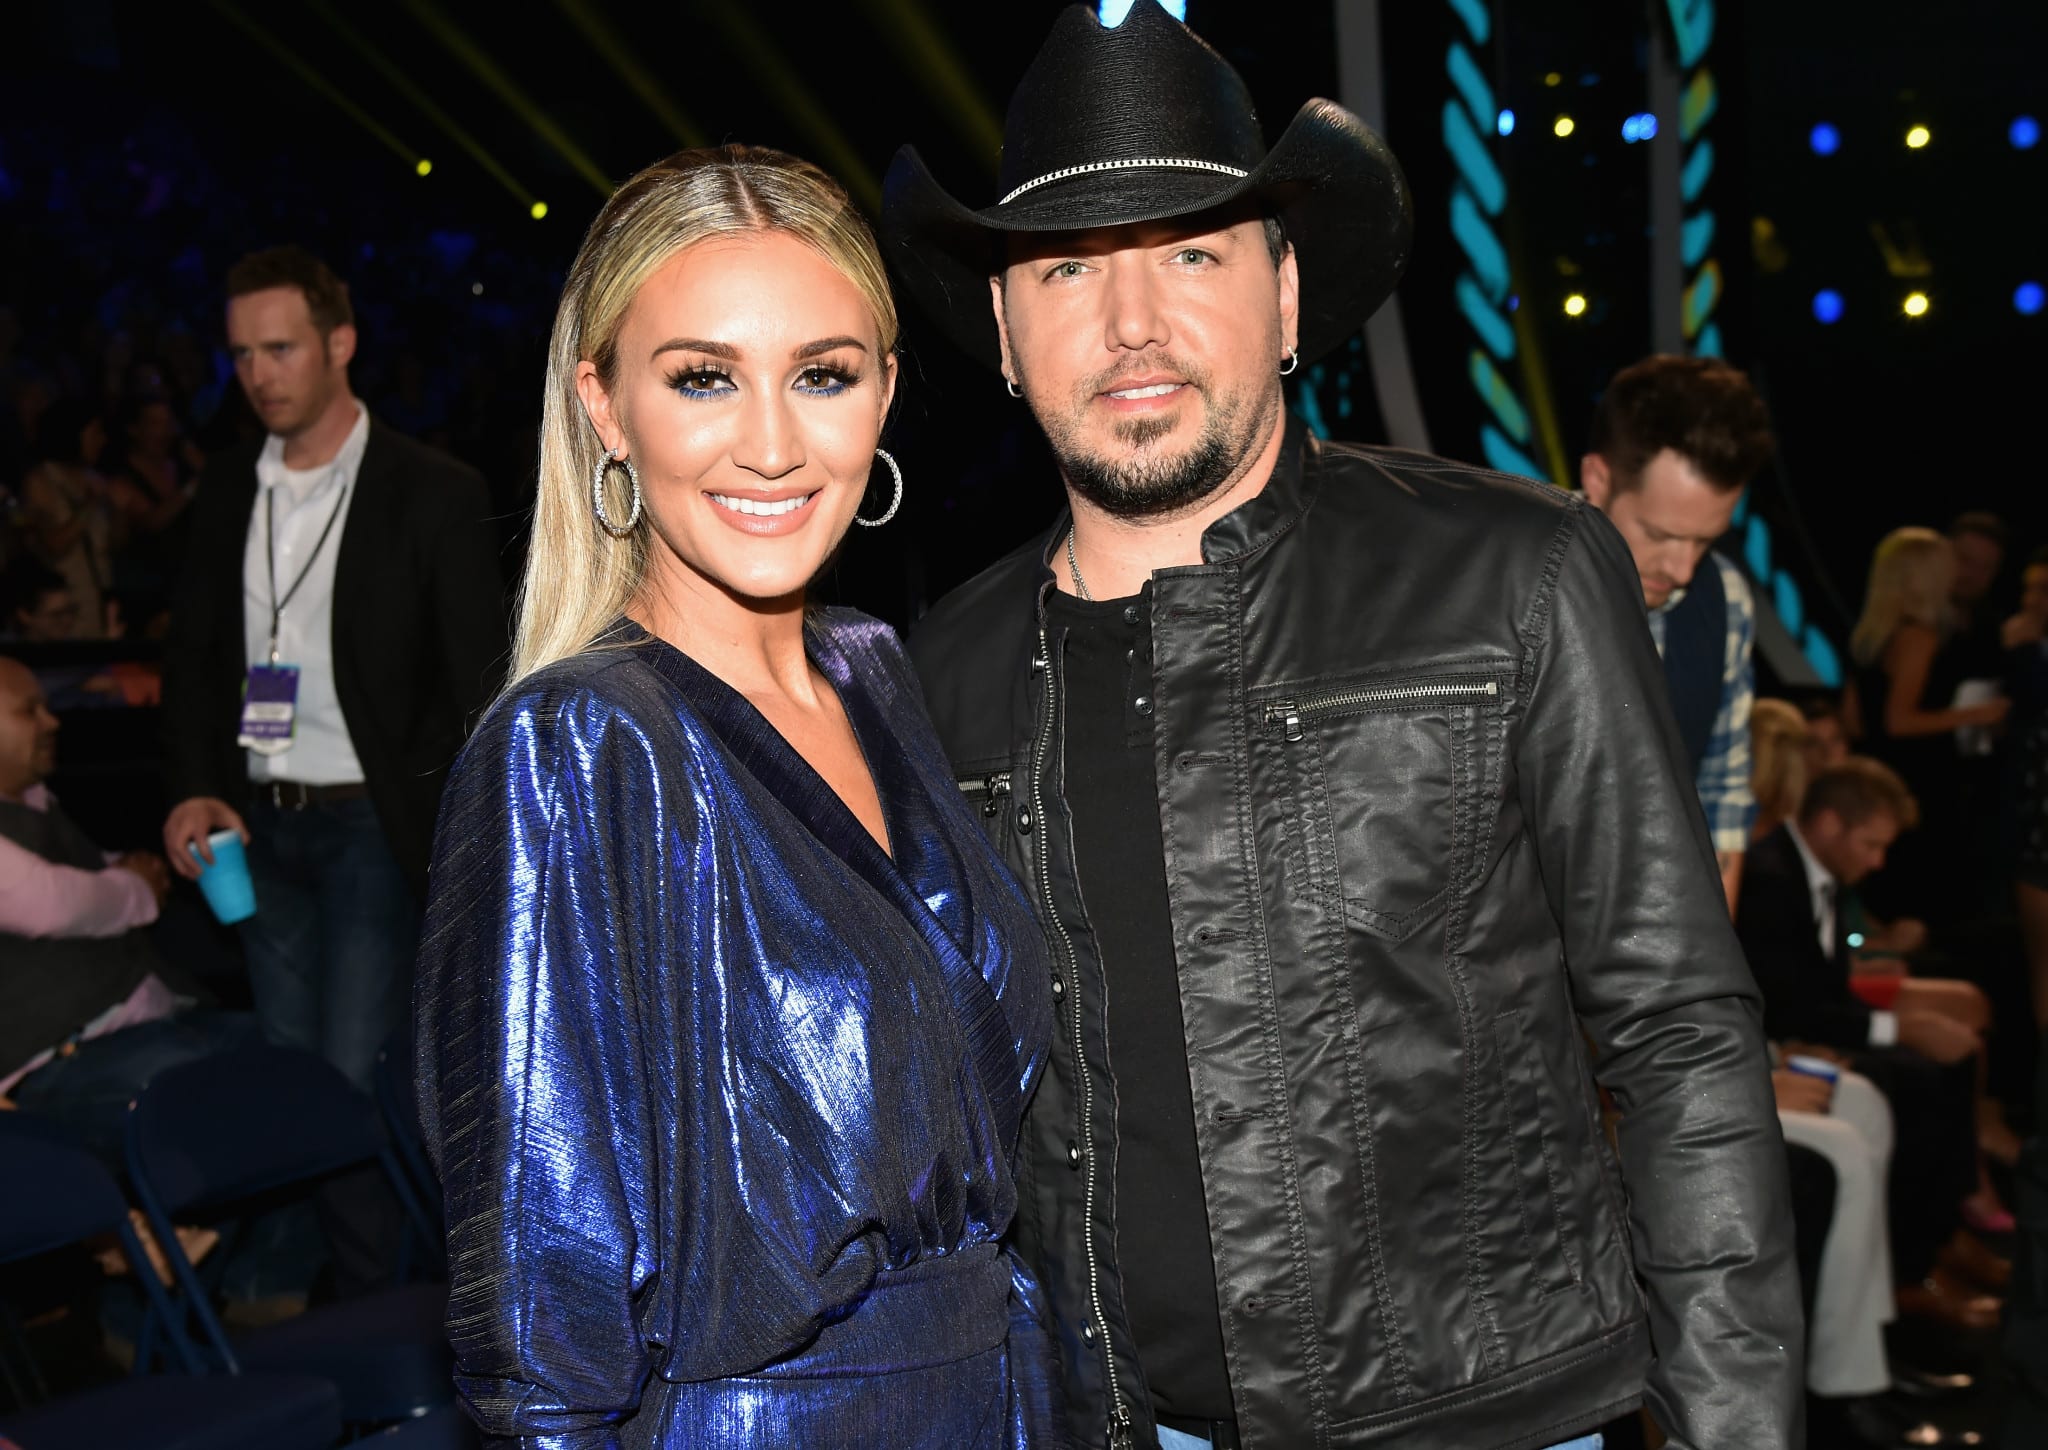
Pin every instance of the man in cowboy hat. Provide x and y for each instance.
(1344, 781)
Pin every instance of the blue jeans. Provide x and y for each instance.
(1178, 1440)
(88, 1091)
(331, 946)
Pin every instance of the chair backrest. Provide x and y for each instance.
(56, 1193)
(225, 1127)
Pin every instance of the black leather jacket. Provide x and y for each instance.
(1424, 819)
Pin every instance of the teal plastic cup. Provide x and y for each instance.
(226, 884)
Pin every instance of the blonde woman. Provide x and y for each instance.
(727, 1010)
(1778, 740)
(1904, 681)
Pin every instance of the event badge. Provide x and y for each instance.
(270, 700)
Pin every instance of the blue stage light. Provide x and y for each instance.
(1505, 123)
(1827, 305)
(2028, 298)
(2024, 133)
(1639, 127)
(1114, 11)
(1824, 139)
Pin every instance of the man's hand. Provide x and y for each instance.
(1932, 1035)
(1795, 1048)
(188, 826)
(1798, 1093)
(151, 868)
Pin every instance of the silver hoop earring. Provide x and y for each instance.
(1010, 386)
(597, 494)
(894, 503)
(1293, 362)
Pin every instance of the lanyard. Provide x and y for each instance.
(270, 556)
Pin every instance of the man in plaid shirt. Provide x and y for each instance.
(1674, 442)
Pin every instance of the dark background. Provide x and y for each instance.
(144, 146)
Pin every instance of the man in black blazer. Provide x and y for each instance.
(1790, 917)
(346, 579)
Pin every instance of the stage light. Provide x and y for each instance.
(1916, 304)
(2024, 133)
(1553, 79)
(1114, 11)
(1563, 126)
(1824, 139)
(2027, 298)
(1505, 123)
(538, 210)
(1639, 127)
(476, 289)
(422, 167)
(1827, 305)
(1574, 305)
(1918, 137)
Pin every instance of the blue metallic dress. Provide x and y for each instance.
(724, 1099)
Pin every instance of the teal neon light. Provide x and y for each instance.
(1693, 23)
(1494, 330)
(1478, 19)
(1472, 87)
(1470, 126)
(1475, 164)
(1697, 238)
(1699, 167)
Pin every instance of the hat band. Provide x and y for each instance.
(1183, 163)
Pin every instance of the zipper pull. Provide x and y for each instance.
(1287, 715)
(1121, 1436)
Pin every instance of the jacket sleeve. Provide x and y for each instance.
(533, 1095)
(1660, 984)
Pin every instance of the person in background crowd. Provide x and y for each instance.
(345, 579)
(66, 519)
(1355, 810)
(1827, 732)
(88, 1012)
(36, 603)
(1979, 541)
(151, 487)
(1903, 689)
(2025, 639)
(1791, 920)
(1780, 751)
(1674, 442)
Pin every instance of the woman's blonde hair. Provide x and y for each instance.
(579, 579)
(1778, 733)
(1910, 577)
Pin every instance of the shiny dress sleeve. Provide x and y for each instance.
(532, 1090)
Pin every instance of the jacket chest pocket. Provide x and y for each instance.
(1387, 777)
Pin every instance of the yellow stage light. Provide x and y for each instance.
(1553, 79)
(1917, 137)
(1916, 304)
(539, 210)
(423, 166)
(1563, 126)
(1574, 305)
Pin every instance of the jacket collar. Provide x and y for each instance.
(1246, 529)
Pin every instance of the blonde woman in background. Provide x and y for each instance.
(1903, 686)
(1778, 741)
(727, 1010)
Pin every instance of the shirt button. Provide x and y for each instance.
(1024, 820)
(1059, 987)
(1130, 614)
(1088, 1332)
(1073, 1155)
(1143, 705)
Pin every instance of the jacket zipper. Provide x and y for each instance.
(1288, 714)
(1120, 1437)
(988, 791)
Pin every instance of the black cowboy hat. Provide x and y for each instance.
(1141, 122)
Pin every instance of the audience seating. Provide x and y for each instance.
(208, 1135)
(59, 1194)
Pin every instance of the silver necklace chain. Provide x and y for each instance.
(1074, 568)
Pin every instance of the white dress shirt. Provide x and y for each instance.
(1822, 887)
(302, 500)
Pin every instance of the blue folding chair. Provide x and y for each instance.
(393, 1084)
(59, 1194)
(444, 1429)
(210, 1134)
